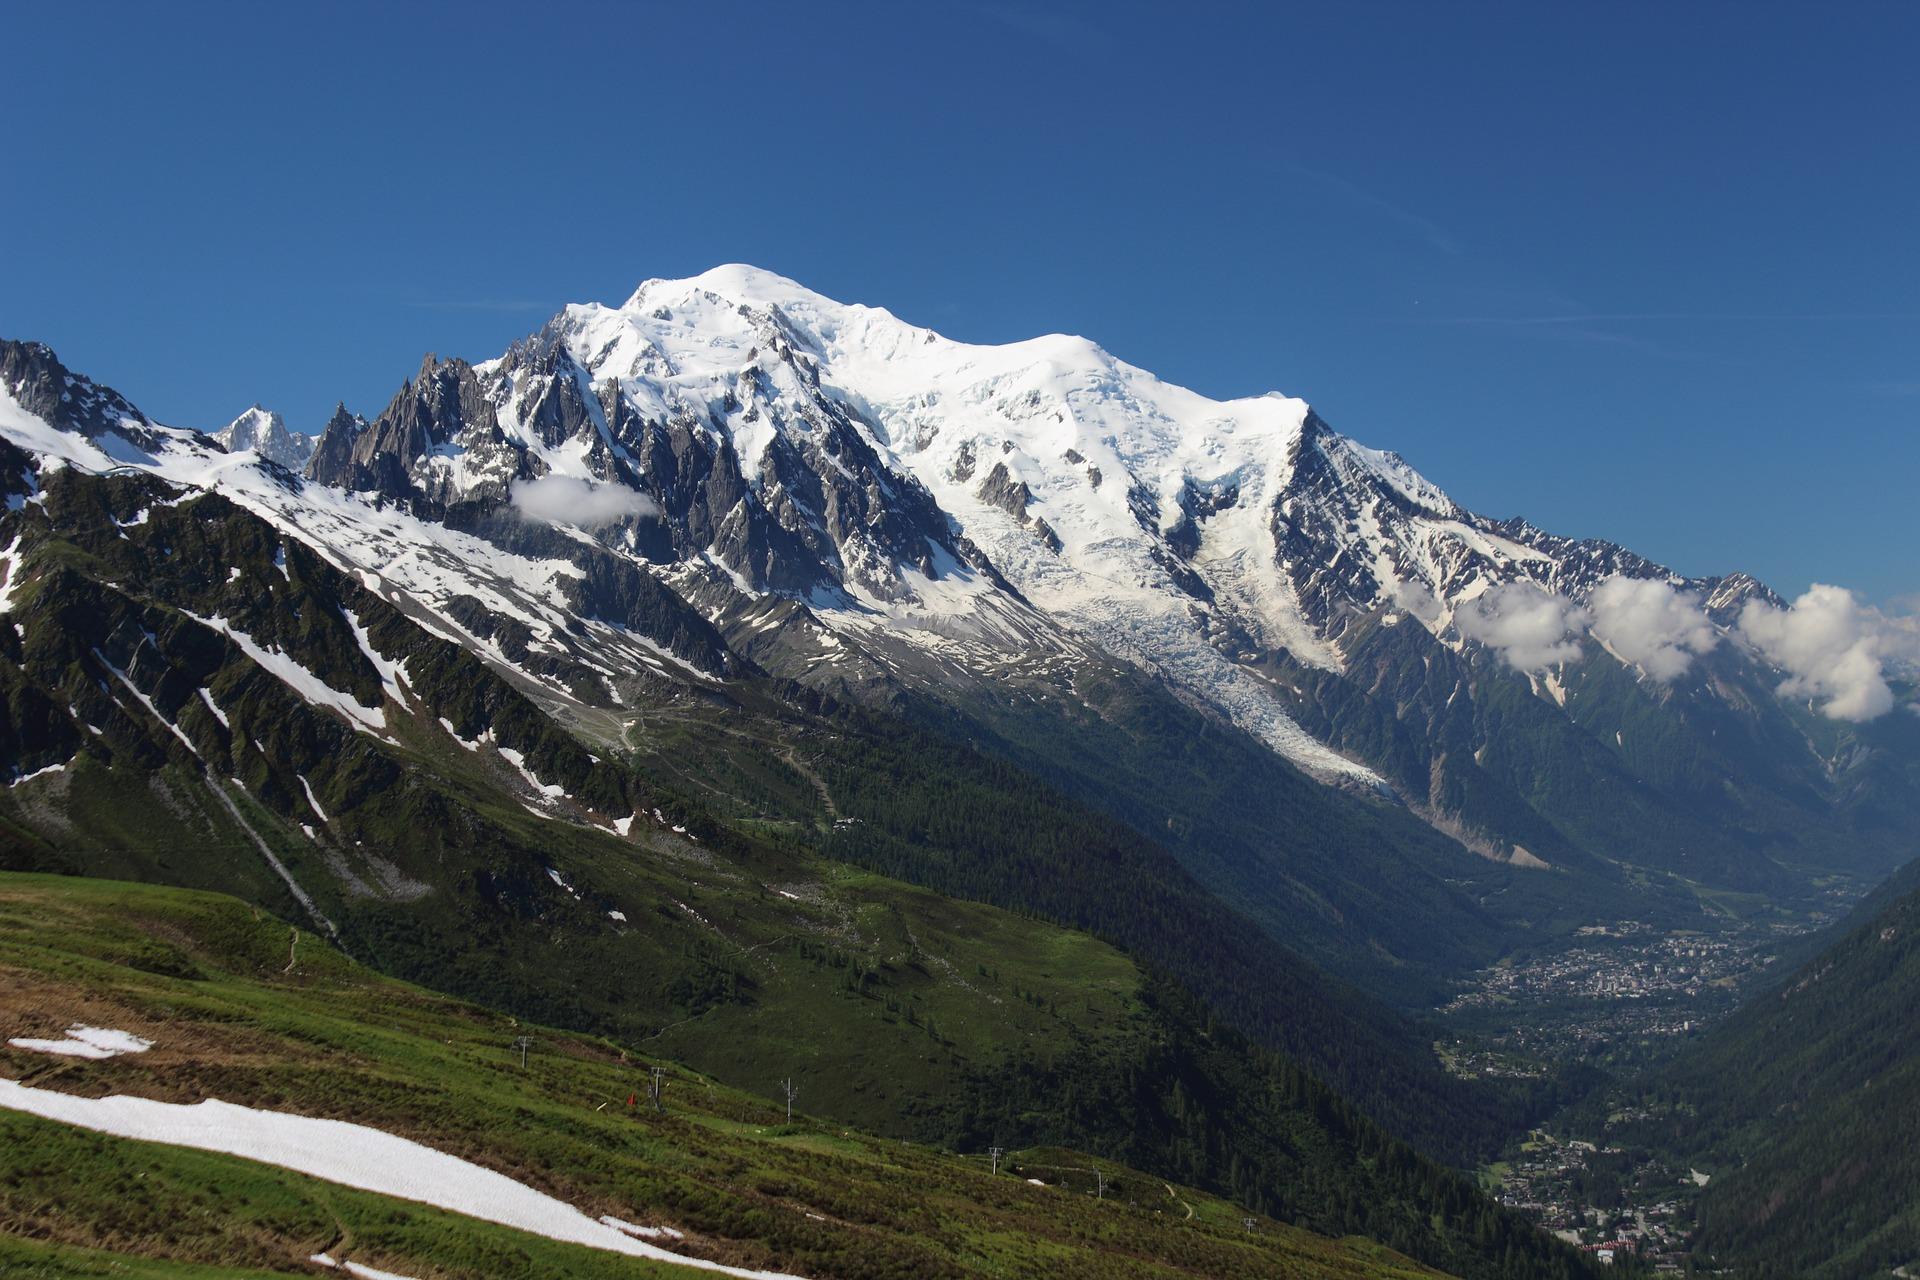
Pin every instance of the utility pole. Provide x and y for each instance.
(654, 1086)
(996, 1153)
(522, 1043)
(787, 1085)
(1249, 1224)
(1099, 1184)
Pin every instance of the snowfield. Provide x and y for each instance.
(352, 1155)
(87, 1042)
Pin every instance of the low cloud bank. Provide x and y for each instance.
(1418, 601)
(1834, 650)
(1652, 624)
(567, 500)
(1530, 628)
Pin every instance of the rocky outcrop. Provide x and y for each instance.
(45, 388)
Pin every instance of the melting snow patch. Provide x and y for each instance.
(557, 879)
(45, 769)
(519, 762)
(9, 575)
(311, 802)
(354, 1156)
(619, 916)
(486, 735)
(87, 1042)
(623, 825)
(356, 1269)
(296, 677)
(146, 702)
(392, 674)
(651, 1233)
(218, 714)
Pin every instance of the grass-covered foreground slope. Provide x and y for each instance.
(246, 1008)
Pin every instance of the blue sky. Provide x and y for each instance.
(1642, 271)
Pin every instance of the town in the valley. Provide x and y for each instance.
(1617, 995)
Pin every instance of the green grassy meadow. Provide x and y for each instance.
(244, 1007)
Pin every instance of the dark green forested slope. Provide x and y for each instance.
(1805, 1105)
(938, 813)
(1355, 882)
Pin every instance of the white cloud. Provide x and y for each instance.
(1416, 599)
(566, 500)
(1530, 628)
(1651, 624)
(1834, 649)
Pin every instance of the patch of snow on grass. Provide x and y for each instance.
(518, 761)
(356, 1269)
(147, 702)
(311, 801)
(44, 769)
(218, 714)
(297, 678)
(9, 575)
(392, 674)
(486, 735)
(651, 1233)
(87, 1042)
(352, 1155)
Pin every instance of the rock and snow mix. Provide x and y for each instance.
(1192, 537)
(352, 1155)
(87, 1042)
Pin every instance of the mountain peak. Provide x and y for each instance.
(735, 281)
(265, 432)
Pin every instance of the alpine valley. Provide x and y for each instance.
(983, 749)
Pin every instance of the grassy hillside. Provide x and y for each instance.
(248, 1009)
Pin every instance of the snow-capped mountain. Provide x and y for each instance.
(1005, 499)
(733, 479)
(265, 433)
